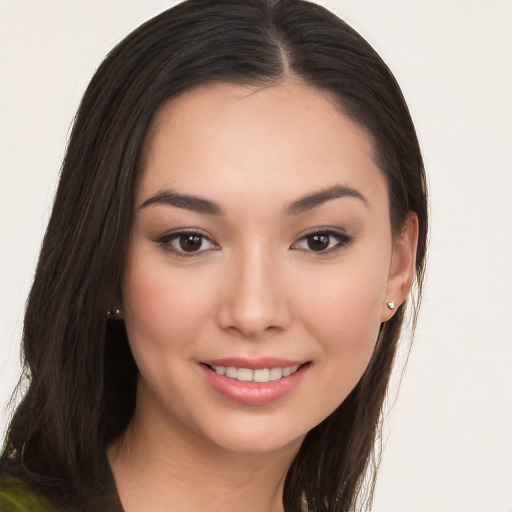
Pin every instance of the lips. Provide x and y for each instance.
(254, 382)
(259, 375)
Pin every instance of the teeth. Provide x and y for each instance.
(261, 375)
(248, 375)
(275, 373)
(244, 374)
(231, 372)
(289, 371)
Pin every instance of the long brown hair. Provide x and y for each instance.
(82, 377)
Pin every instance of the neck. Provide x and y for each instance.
(155, 467)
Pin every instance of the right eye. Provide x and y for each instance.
(186, 243)
(323, 241)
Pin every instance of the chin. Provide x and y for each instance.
(256, 433)
(256, 443)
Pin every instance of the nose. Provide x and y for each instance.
(254, 296)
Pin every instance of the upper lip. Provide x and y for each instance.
(254, 364)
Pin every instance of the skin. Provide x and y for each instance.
(253, 288)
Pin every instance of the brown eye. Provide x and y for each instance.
(318, 241)
(186, 243)
(323, 241)
(190, 242)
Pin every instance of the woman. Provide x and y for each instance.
(240, 217)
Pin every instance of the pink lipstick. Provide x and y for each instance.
(254, 382)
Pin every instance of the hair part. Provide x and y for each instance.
(81, 393)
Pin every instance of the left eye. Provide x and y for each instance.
(322, 241)
(186, 243)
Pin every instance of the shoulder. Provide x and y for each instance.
(16, 496)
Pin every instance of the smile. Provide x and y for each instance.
(254, 382)
(249, 375)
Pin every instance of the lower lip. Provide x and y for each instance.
(253, 393)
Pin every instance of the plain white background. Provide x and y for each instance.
(448, 438)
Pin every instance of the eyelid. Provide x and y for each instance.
(343, 240)
(165, 241)
(167, 238)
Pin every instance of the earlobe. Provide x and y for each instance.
(114, 314)
(403, 265)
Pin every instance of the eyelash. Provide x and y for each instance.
(166, 242)
(341, 240)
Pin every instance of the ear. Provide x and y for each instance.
(115, 312)
(402, 267)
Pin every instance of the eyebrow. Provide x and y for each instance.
(317, 198)
(201, 205)
(188, 202)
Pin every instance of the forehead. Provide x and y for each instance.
(226, 139)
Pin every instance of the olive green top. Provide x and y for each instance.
(16, 496)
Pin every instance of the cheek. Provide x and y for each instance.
(342, 312)
(161, 307)
(350, 298)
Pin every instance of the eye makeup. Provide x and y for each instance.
(186, 243)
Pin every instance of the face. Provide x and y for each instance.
(260, 264)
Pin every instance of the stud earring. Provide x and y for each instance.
(114, 313)
(390, 304)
